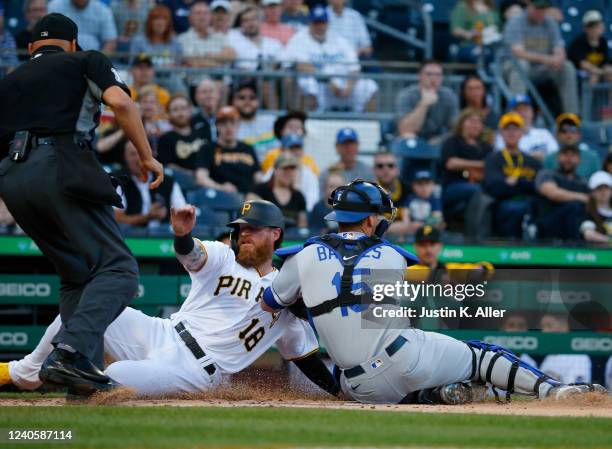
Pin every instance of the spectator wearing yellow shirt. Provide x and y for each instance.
(143, 74)
(291, 123)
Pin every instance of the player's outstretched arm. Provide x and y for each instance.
(191, 256)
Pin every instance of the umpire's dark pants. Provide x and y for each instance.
(99, 275)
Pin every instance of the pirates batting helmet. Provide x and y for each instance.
(258, 213)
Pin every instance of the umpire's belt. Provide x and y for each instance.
(40, 141)
(194, 347)
(390, 350)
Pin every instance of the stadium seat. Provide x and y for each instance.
(416, 154)
(440, 10)
(215, 200)
(576, 8)
(598, 137)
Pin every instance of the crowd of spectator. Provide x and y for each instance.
(216, 132)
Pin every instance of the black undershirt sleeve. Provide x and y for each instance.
(313, 367)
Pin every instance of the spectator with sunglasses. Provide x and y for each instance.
(569, 133)
(256, 128)
(386, 170)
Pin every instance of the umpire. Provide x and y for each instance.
(60, 195)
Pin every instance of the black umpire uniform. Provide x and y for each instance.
(61, 197)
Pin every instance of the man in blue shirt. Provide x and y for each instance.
(97, 30)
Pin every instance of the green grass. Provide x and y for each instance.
(208, 427)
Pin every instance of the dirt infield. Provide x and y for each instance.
(247, 396)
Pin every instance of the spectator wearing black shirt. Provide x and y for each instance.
(509, 178)
(33, 11)
(463, 156)
(227, 164)
(144, 207)
(180, 147)
(562, 197)
(589, 51)
(207, 98)
(473, 95)
(386, 171)
(280, 191)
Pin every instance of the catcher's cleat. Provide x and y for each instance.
(452, 394)
(5, 376)
(572, 390)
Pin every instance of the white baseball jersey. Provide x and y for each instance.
(223, 314)
(534, 140)
(249, 53)
(314, 273)
(334, 56)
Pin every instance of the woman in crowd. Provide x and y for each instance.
(463, 156)
(473, 94)
(598, 225)
(280, 190)
(160, 43)
(470, 19)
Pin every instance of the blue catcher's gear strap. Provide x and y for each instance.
(517, 363)
(348, 252)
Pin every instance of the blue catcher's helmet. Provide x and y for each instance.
(359, 199)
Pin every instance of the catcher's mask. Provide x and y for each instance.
(257, 213)
(360, 199)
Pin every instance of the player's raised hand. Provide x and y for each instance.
(183, 219)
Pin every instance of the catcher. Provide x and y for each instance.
(385, 362)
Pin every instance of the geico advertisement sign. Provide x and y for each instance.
(25, 289)
(603, 344)
(518, 342)
(13, 338)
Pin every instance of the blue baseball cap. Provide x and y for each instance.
(519, 99)
(318, 14)
(292, 140)
(422, 175)
(347, 135)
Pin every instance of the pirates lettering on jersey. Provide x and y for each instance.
(237, 286)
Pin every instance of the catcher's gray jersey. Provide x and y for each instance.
(315, 272)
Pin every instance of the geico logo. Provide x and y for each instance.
(13, 339)
(513, 342)
(27, 289)
(141, 291)
(562, 297)
(592, 344)
(184, 290)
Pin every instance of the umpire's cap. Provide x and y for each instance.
(359, 199)
(259, 213)
(55, 26)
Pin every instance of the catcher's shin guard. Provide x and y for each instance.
(501, 368)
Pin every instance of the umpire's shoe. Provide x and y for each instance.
(74, 371)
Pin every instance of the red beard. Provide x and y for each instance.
(250, 256)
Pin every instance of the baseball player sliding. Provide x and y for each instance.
(384, 361)
(220, 327)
